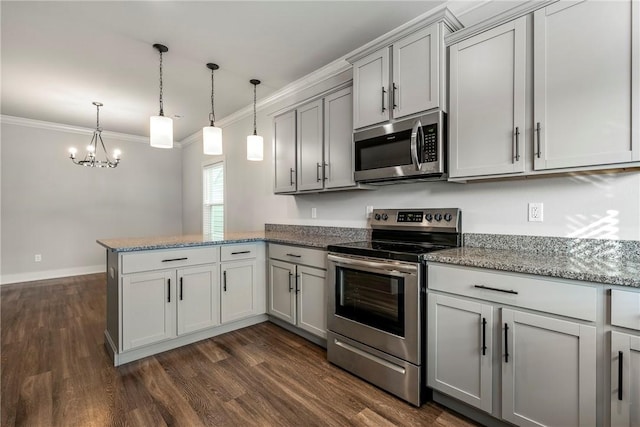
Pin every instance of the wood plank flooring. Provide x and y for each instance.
(55, 372)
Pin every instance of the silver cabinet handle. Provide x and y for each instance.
(224, 280)
(393, 96)
(291, 172)
(241, 252)
(325, 175)
(295, 256)
(175, 259)
(417, 129)
(538, 139)
(318, 166)
(290, 287)
(297, 283)
(384, 92)
(489, 288)
(517, 154)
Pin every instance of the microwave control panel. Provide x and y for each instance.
(430, 143)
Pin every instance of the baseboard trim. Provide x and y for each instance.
(6, 279)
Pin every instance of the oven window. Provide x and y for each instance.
(376, 300)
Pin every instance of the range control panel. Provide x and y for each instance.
(423, 219)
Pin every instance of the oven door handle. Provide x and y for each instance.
(389, 268)
(417, 129)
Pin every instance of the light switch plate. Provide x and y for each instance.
(536, 212)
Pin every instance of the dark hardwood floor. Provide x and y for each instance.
(55, 372)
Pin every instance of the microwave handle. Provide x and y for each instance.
(417, 129)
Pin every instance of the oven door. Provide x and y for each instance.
(376, 302)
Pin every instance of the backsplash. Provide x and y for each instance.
(348, 233)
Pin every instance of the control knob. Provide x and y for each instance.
(385, 217)
(447, 217)
(428, 217)
(438, 217)
(377, 217)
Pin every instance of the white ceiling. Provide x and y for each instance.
(58, 57)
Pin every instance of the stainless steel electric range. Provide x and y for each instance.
(376, 310)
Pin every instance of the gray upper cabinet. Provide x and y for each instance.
(586, 93)
(314, 145)
(371, 87)
(487, 102)
(284, 151)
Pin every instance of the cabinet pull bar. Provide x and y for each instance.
(295, 256)
(181, 289)
(506, 343)
(324, 171)
(620, 375)
(175, 259)
(484, 336)
(240, 252)
(538, 139)
(224, 281)
(517, 156)
(383, 94)
(291, 171)
(489, 288)
(297, 283)
(393, 96)
(168, 290)
(290, 287)
(318, 166)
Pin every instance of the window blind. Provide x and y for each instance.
(213, 199)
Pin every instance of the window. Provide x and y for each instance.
(213, 199)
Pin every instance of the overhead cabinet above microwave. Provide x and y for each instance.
(403, 74)
(561, 103)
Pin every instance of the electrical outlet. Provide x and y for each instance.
(535, 212)
(314, 213)
(38, 258)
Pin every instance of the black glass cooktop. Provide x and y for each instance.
(398, 251)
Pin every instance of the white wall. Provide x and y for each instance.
(52, 207)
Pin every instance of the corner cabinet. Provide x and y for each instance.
(405, 76)
(162, 299)
(297, 288)
(314, 146)
(482, 320)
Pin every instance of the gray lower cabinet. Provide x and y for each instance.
(504, 344)
(297, 287)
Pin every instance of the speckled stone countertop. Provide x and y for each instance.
(314, 237)
(616, 263)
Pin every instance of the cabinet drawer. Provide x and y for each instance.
(233, 252)
(625, 309)
(298, 255)
(518, 290)
(169, 258)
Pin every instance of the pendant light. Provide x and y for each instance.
(212, 135)
(254, 142)
(161, 127)
(91, 158)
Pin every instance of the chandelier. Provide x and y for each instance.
(91, 158)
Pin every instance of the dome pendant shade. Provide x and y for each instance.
(161, 132)
(212, 140)
(255, 148)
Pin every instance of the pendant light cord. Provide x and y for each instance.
(161, 104)
(212, 116)
(254, 109)
(98, 119)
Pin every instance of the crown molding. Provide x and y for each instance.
(60, 127)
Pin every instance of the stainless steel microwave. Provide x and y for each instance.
(411, 149)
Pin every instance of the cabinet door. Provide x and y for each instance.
(415, 85)
(239, 290)
(459, 360)
(310, 161)
(311, 290)
(198, 298)
(338, 139)
(282, 300)
(548, 371)
(148, 308)
(625, 372)
(586, 96)
(284, 152)
(487, 102)
(370, 89)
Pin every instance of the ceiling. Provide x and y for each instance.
(59, 56)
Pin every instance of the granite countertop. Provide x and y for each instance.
(613, 270)
(299, 236)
